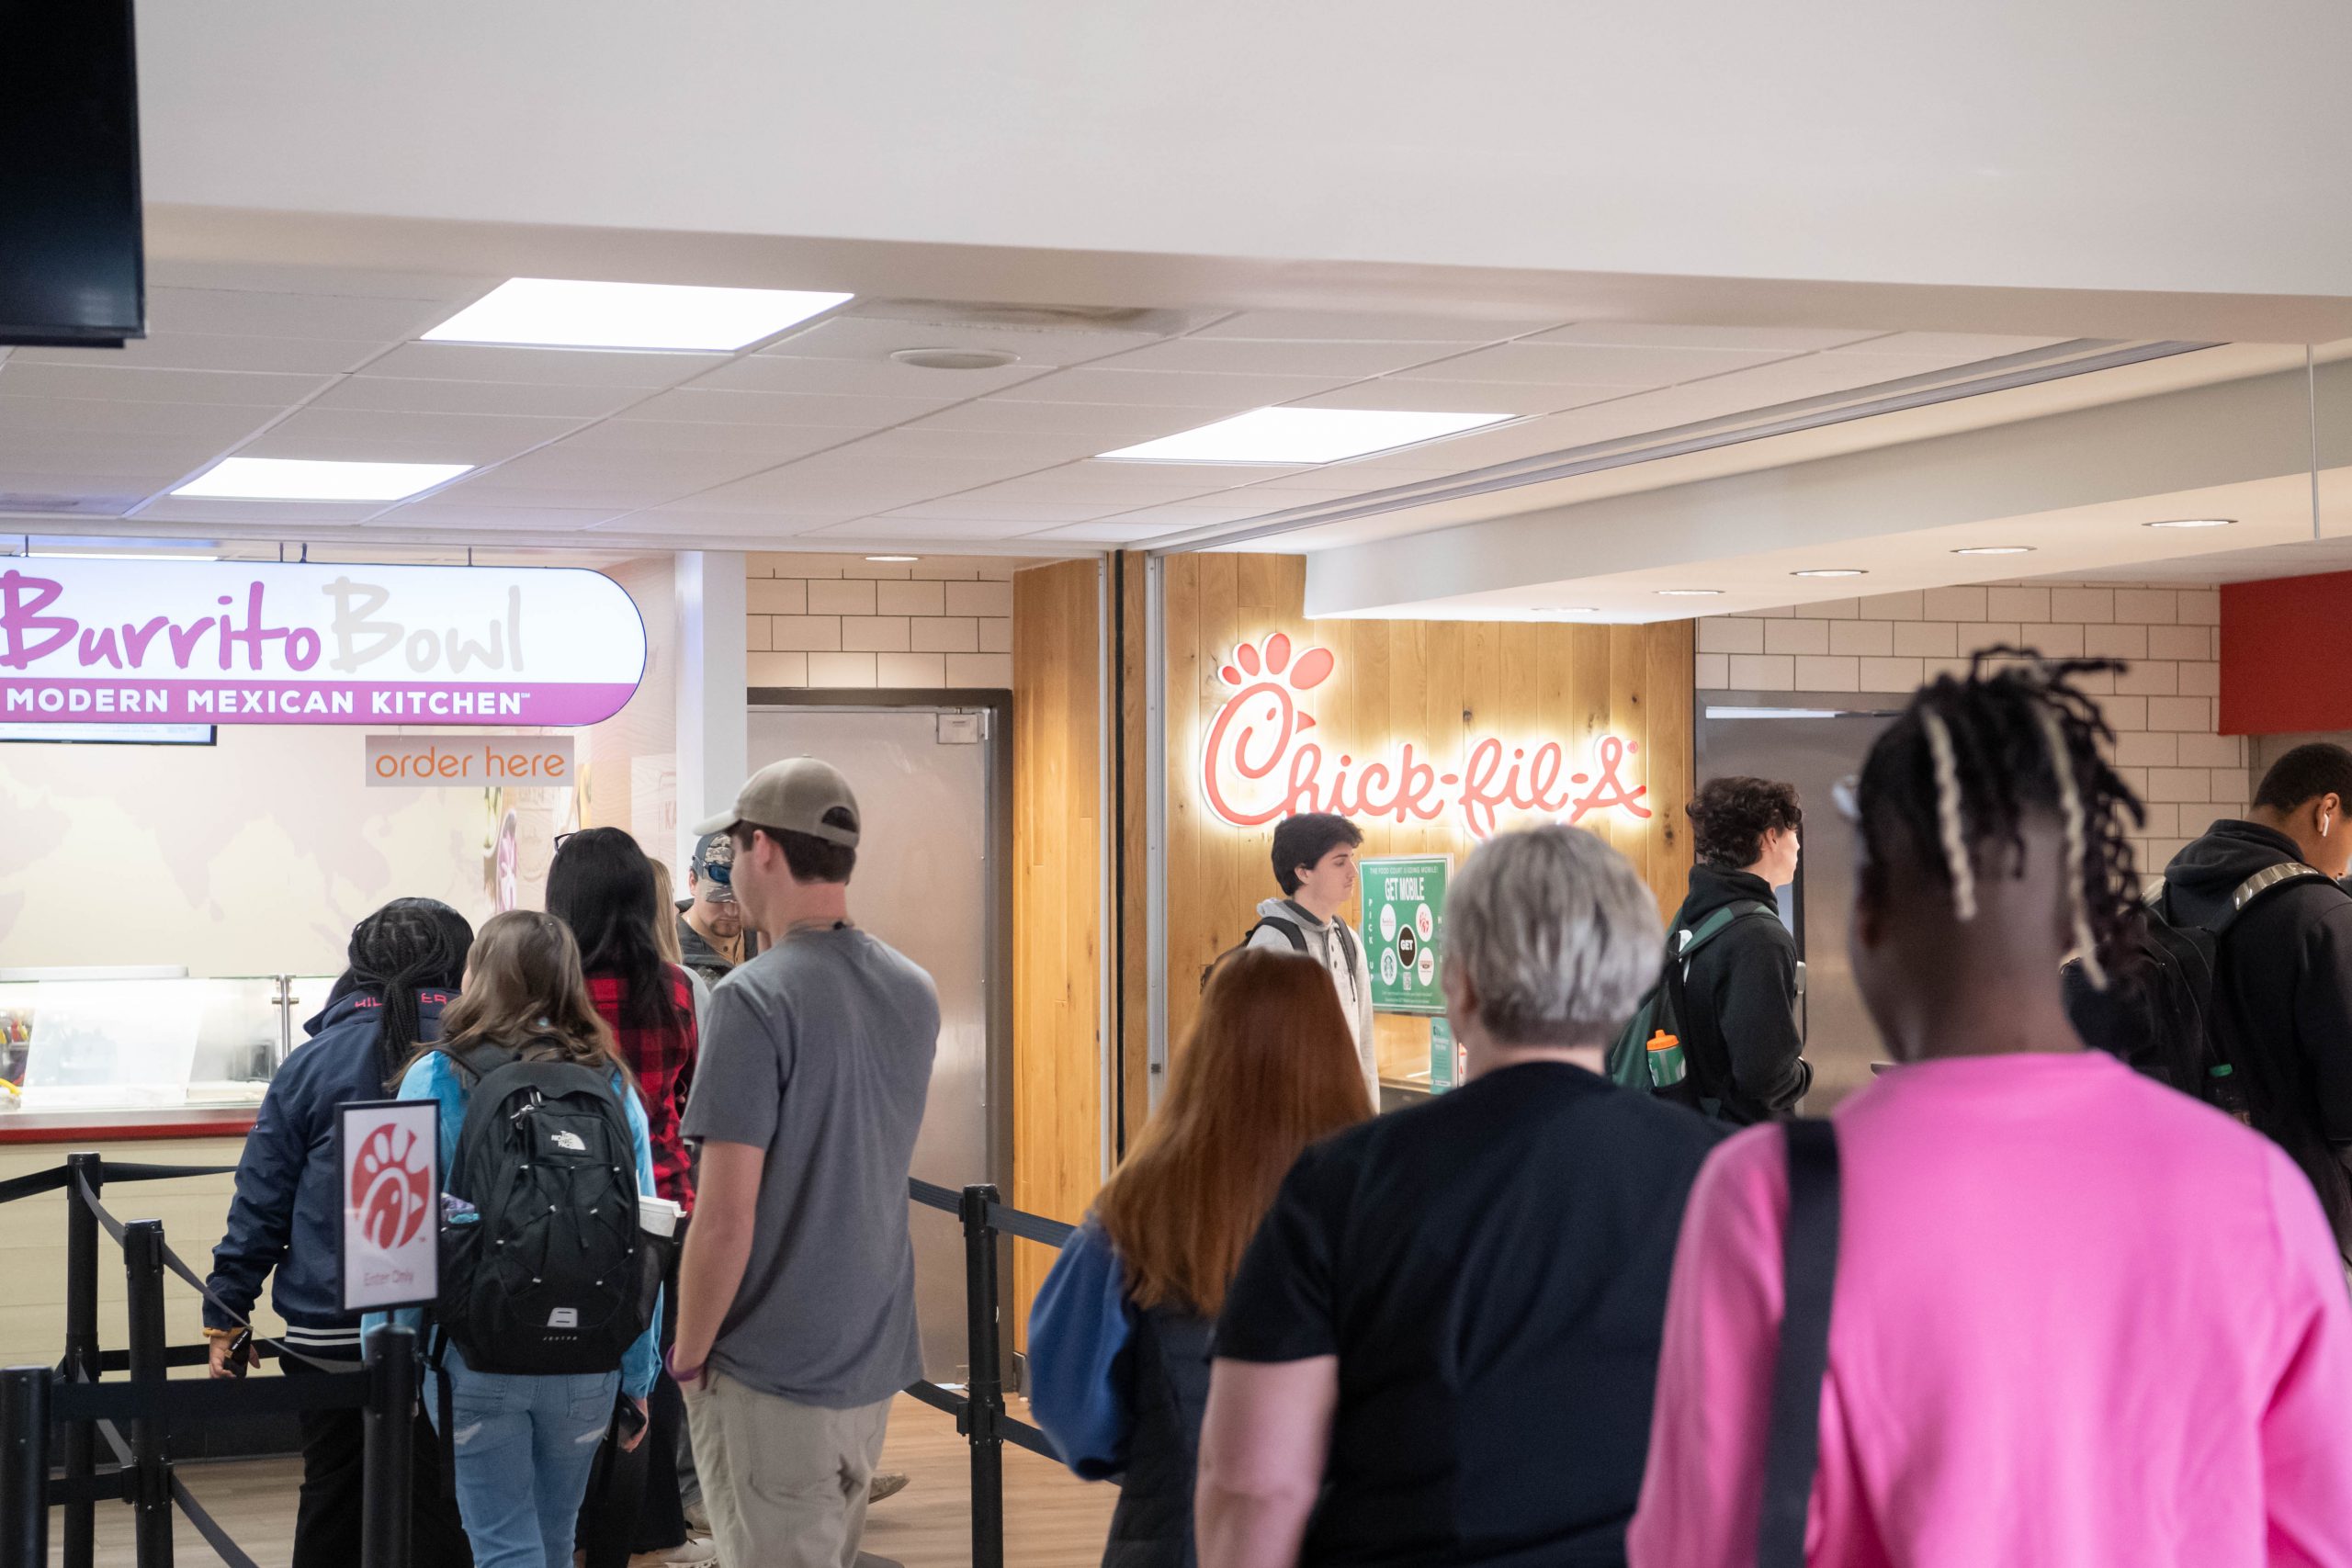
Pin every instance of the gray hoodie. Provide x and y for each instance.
(1335, 946)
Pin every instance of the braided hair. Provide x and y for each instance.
(1958, 773)
(409, 946)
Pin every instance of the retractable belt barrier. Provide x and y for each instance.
(71, 1395)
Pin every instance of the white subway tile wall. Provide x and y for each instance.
(2164, 708)
(822, 620)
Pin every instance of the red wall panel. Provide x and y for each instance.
(2286, 655)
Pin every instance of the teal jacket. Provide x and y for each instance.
(434, 1077)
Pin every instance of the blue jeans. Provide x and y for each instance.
(524, 1446)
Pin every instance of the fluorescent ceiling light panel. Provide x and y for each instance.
(556, 312)
(1995, 550)
(1832, 571)
(2194, 522)
(308, 479)
(1302, 435)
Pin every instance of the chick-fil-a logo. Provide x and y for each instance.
(1257, 766)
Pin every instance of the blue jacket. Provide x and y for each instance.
(434, 1077)
(284, 1218)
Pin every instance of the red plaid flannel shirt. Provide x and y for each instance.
(664, 1061)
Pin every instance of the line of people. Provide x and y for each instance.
(2077, 1317)
(673, 1294)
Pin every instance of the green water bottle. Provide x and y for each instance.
(1665, 1060)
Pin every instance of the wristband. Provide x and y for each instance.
(678, 1374)
(223, 1333)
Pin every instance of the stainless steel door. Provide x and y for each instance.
(923, 779)
(1813, 747)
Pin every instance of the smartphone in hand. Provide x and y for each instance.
(241, 1348)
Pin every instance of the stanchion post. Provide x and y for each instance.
(389, 1451)
(143, 1266)
(24, 1467)
(81, 1347)
(985, 1389)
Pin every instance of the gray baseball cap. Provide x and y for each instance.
(796, 795)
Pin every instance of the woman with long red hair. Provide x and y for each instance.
(1119, 1337)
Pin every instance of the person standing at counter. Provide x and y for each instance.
(1119, 1337)
(710, 922)
(797, 1314)
(1314, 865)
(2284, 967)
(1439, 1346)
(405, 961)
(1738, 989)
(2075, 1317)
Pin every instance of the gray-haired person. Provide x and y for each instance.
(1442, 1344)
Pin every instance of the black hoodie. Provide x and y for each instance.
(2286, 967)
(1739, 1023)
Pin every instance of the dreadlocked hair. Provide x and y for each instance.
(409, 946)
(1958, 773)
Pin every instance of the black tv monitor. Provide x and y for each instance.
(72, 269)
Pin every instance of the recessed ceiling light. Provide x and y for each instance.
(955, 358)
(1302, 435)
(895, 560)
(1995, 550)
(1689, 592)
(559, 312)
(1832, 571)
(2193, 523)
(306, 478)
(1566, 609)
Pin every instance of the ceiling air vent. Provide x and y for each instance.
(1031, 317)
(28, 503)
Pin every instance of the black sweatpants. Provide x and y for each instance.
(326, 1521)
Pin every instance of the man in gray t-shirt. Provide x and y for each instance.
(796, 1313)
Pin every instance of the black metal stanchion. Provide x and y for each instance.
(24, 1467)
(143, 1264)
(986, 1389)
(390, 1457)
(81, 1364)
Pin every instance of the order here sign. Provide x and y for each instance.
(470, 761)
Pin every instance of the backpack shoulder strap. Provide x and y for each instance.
(2245, 894)
(1809, 1275)
(478, 1061)
(1715, 925)
(1290, 930)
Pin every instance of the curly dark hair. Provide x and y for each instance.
(1955, 776)
(1730, 816)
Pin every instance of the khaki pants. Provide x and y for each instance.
(785, 1483)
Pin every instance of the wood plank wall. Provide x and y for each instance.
(1436, 684)
(1058, 843)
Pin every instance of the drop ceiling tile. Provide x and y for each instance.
(884, 530)
(717, 531)
(1957, 348)
(1817, 375)
(1117, 425)
(924, 440)
(1110, 531)
(776, 443)
(704, 405)
(975, 509)
(261, 514)
(132, 384)
(196, 351)
(299, 278)
(1104, 474)
(1214, 396)
(688, 517)
(1320, 326)
(458, 509)
(26, 492)
(862, 378)
(407, 394)
(214, 425)
(865, 337)
(605, 498)
(789, 489)
(543, 367)
(1246, 356)
(1098, 499)
(52, 453)
(1645, 334)
(468, 438)
(1589, 366)
(630, 480)
(1521, 398)
(237, 312)
(1349, 475)
(1231, 507)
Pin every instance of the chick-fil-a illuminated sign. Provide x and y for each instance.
(142, 642)
(1257, 766)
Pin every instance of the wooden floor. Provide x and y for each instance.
(1052, 1519)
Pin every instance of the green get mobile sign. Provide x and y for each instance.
(1404, 924)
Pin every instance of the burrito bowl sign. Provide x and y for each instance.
(1264, 758)
(146, 642)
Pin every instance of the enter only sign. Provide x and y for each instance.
(470, 761)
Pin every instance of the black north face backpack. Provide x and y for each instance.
(551, 1273)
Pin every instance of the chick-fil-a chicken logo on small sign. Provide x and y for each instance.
(229, 642)
(1259, 764)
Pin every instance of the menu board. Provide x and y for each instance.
(1404, 928)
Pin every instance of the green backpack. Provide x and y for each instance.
(1635, 1062)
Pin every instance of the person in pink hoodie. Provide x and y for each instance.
(2078, 1320)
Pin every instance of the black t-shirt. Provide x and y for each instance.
(1490, 1269)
